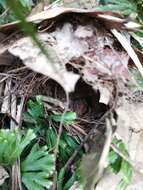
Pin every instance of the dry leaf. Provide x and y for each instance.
(53, 67)
(109, 18)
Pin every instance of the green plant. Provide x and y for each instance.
(61, 178)
(118, 164)
(5, 187)
(37, 168)
(67, 147)
(3, 4)
(67, 144)
(69, 117)
(36, 109)
(9, 16)
(35, 116)
(126, 7)
(25, 3)
(12, 143)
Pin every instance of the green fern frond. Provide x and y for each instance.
(12, 143)
(37, 168)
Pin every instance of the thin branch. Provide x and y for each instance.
(4, 13)
(59, 136)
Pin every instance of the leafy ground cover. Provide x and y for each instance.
(67, 103)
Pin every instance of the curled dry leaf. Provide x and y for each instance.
(109, 18)
(52, 67)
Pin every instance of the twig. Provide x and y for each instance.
(75, 126)
(61, 124)
(90, 122)
(14, 178)
(133, 164)
(5, 108)
(17, 70)
(4, 13)
(16, 173)
(3, 79)
(59, 136)
(19, 111)
(51, 100)
(4, 74)
(13, 111)
(9, 36)
(116, 149)
(46, 28)
(19, 174)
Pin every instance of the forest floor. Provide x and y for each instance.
(71, 99)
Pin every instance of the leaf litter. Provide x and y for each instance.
(88, 62)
